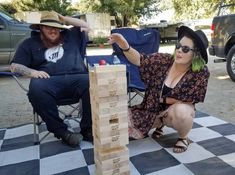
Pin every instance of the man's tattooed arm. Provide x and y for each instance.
(25, 71)
(21, 69)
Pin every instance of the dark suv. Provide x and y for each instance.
(223, 37)
(12, 32)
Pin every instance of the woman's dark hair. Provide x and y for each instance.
(198, 62)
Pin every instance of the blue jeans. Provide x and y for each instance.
(44, 93)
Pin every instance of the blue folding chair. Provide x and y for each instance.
(144, 41)
(74, 103)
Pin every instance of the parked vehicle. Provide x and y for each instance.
(12, 32)
(168, 31)
(223, 38)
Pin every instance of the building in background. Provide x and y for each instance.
(101, 25)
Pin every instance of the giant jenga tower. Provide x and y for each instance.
(108, 94)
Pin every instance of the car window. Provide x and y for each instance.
(1, 22)
(8, 17)
(227, 9)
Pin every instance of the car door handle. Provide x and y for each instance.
(18, 34)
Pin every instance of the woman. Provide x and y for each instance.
(174, 84)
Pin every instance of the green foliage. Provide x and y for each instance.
(99, 40)
(196, 9)
(63, 7)
(126, 12)
(7, 7)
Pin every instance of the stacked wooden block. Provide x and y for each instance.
(108, 93)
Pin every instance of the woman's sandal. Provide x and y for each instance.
(181, 148)
(158, 132)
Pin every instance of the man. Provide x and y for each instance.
(53, 61)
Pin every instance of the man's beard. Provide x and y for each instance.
(48, 42)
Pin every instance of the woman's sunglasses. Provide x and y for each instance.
(185, 49)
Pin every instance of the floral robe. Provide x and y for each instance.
(153, 71)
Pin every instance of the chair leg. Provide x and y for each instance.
(36, 124)
(77, 107)
(44, 136)
(35, 129)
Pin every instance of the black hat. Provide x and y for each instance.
(199, 37)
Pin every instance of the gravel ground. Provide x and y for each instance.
(220, 100)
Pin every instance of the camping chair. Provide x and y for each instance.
(144, 41)
(72, 104)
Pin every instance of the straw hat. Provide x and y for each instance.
(199, 37)
(48, 18)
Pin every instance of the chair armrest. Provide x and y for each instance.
(15, 76)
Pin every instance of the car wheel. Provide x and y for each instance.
(231, 63)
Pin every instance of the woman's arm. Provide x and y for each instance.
(170, 101)
(131, 54)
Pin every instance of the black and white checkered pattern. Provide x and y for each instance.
(212, 152)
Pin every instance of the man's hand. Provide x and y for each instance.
(39, 74)
(67, 20)
(25, 71)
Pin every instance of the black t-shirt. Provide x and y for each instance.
(62, 59)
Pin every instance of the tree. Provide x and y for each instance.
(63, 7)
(126, 12)
(196, 9)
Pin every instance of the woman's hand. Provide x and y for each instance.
(119, 40)
(131, 54)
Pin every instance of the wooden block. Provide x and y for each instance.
(112, 153)
(111, 75)
(107, 105)
(107, 91)
(112, 161)
(102, 133)
(124, 170)
(112, 165)
(110, 142)
(108, 108)
(106, 76)
(110, 119)
(109, 126)
(109, 87)
(110, 68)
(111, 99)
(101, 112)
(101, 103)
(107, 81)
(106, 131)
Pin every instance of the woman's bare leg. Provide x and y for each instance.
(180, 117)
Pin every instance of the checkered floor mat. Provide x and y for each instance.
(212, 152)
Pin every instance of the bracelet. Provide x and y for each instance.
(126, 50)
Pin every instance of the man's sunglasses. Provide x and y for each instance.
(185, 49)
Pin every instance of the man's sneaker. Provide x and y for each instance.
(70, 138)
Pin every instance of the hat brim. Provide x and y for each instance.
(36, 25)
(200, 45)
